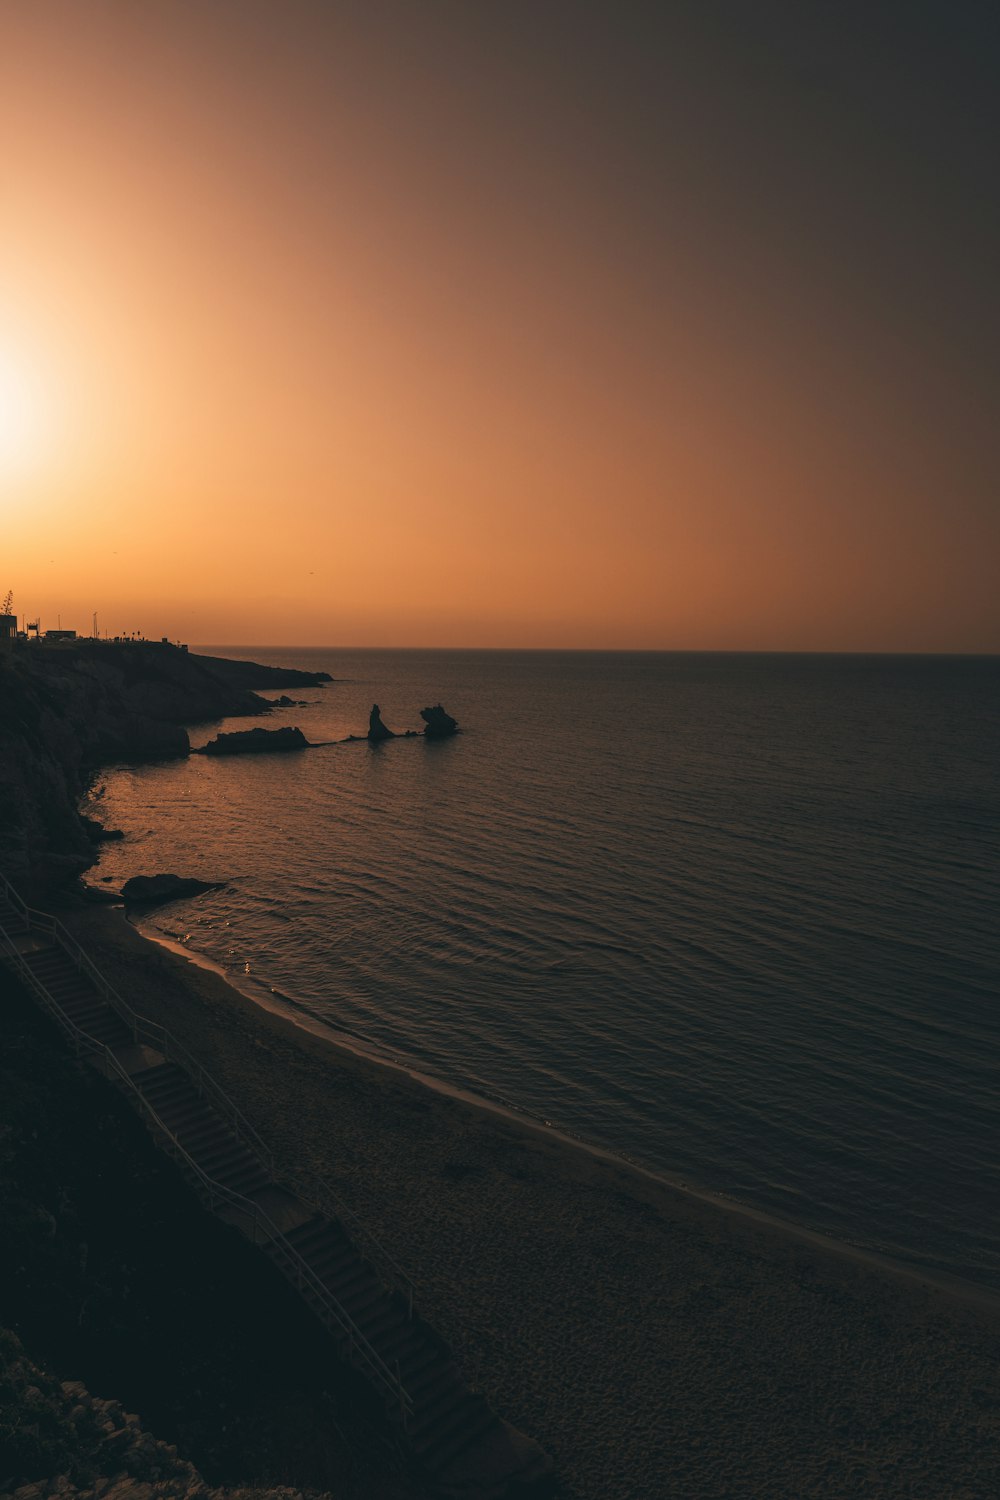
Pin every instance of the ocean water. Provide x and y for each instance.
(734, 917)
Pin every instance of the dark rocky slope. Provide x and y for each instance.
(66, 711)
(250, 674)
(112, 1275)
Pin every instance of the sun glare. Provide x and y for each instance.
(23, 416)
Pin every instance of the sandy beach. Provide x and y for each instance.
(655, 1341)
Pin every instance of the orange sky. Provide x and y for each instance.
(446, 325)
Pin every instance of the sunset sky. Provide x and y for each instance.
(520, 324)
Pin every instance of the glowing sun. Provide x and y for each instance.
(24, 415)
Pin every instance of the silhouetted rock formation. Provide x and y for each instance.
(64, 712)
(154, 888)
(97, 832)
(376, 729)
(255, 742)
(439, 724)
(252, 674)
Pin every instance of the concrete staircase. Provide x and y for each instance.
(77, 998)
(451, 1432)
(199, 1129)
(447, 1418)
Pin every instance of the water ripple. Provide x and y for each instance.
(752, 940)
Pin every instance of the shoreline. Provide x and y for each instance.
(285, 1007)
(653, 1340)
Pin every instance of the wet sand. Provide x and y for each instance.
(655, 1341)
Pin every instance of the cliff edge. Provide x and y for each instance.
(66, 711)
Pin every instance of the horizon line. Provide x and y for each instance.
(600, 650)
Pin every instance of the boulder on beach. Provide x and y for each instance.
(147, 889)
(439, 724)
(377, 731)
(256, 742)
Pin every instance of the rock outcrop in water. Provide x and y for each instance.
(377, 731)
(98, 833)
(66, 711)
(439, 724)
(255, 742)
(152, 889)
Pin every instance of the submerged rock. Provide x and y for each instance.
(150, 888)
(376, 729)
(439, 724)
(256, 742)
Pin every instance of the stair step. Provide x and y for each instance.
(233, 1159)
(335, 1263)
(218, 1162)
(56, 981)
(371, 1313)
(194, 1119)
(88, 1002)
(433, 1379)
(241, 1182)
(377, 1318)
(432, 1414)
(78, 1014)
(156, 1076)
(338, 1257)
(210, 1134)
(96, 1017)
(428, 1437)
(329, 1241)
(168, 1090)
(196, 1137)
(107, 1036)
(411, 1346)
(314, 1231)
(347, 1286)
(442, 1454)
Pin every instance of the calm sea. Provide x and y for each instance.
(735, 917)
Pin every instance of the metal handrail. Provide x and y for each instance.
(319, 1190)
(304, 1273)
(373, 1359)
(142, 1029)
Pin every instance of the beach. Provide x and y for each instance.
(655, 1341)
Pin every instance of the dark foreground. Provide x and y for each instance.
(111, 1274)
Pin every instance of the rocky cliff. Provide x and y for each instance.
(66, 711)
